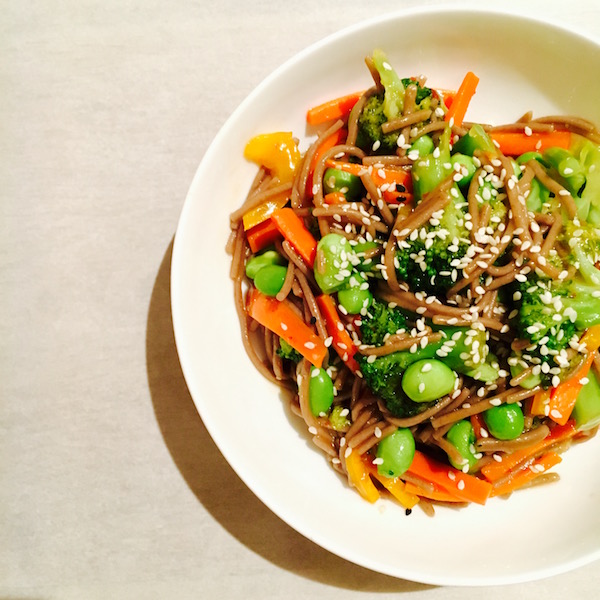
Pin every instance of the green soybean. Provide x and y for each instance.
(365, 264)
(357, 296)
(269, 280)
(427, 380)
(336, 180)
(464, 166)
(320, 392)
(333, 265)
(505, 422)
(462, 436)
(256, 263)
(527, 156)
(395, 453)
(423, 145)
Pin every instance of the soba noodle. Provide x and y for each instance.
(528, 241)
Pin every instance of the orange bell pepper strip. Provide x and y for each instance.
(261, 235)
(527, 474)
(281, 319)
(462, 486)
(493, 471)
(458, 109)
(342, 342)
(360, 477)
(338, 108)
(516, 143)
(295, 232)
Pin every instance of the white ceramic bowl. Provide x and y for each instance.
(522, 64)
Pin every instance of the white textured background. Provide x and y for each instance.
(110, 486)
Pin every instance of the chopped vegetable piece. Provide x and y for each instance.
(262, 212)
(342, 342)
(296, 233)
(278, 152)
(458, 109)
(359, 476)
(262, 235)
(515, 144)
(527, 473)
(495, 470)
(462, 486)
(338, 108)
(281, 319)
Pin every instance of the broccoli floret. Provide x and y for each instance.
(384, 378)
(380, 321)
(422, 91)
(286, 351)
(385, 106)
(369, 128)
(463, 349)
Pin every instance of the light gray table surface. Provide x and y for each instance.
(110, 486)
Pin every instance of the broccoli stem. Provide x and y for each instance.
(393, 101)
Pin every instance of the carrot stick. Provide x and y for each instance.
(493, 471)
(527, 473)
(462, 486)
(478, 424)
(400, 192)
(281, 319)
(337, 137)
(338, 108)
(262, 235)
(295, 232)
(515, 143)
(436, 494)
(458, 109)
(334, 198)
(359, 476)
(342, 342)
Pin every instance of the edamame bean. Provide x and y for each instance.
(505, 422)
(336, 180)
(462, 436)
(365, 264)
(427, 380)
(356, 296)
(464, 166)
(396, 453)
(333, 263)
(320, 391)
(269, 280)
(423, 145)
(256, 263)
(538, 194)
(527, 156)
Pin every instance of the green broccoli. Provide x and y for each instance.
(463, 349)
(553, 314)
(384, 378)
(385, 106)
(381, 321)
(286, 351)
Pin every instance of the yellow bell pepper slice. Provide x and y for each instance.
(278, 152)
(360, 478)
(263, 211)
